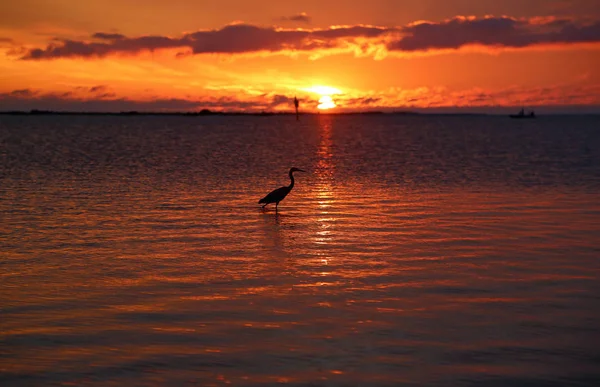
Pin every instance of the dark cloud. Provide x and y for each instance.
(92, 89)
(352, 32)
(109, 95)
(27, 99)
(75, 100)
(370, 101)
(66, 101)
(362, 101)
(108, 36)
(99, 88)
(22, 93)
(14, 48)
(284, 101)
(244, 38)
(68, 48)
(56, 102)
(301, 17)
(281, 100)
(231, 39)
(72, 48)
(493, 31)
(454, 33)
(241, 38)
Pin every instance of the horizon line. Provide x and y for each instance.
(207, 112)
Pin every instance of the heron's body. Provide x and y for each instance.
(279, 194)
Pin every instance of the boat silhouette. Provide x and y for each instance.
(522, 114)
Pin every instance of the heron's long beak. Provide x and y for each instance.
(300, 170)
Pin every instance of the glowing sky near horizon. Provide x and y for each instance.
(357, 55)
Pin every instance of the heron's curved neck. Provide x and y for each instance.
(292, 179)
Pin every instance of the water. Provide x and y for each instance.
(452, 251)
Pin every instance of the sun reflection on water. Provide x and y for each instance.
(324, 195)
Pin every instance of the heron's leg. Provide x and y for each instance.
(276, 204)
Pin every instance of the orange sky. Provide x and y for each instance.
(253, 56)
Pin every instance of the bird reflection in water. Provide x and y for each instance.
(274, 240)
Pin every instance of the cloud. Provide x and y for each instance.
(96, 92)
(231, 39)
(302, 17)
(98, 99)
(108, 36)
(82, 98)
(68, 101)
(495, 32)
(99, 88)
(72, 48)
(22, 93)
(363, 101)
(14, 49)
(454, 33)
(278, 100)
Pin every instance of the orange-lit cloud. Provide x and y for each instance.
(302, 17)
(231, 39)
(452, 34)
(494, 31)
(103, 98)
(360, 60)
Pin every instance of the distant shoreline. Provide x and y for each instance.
(225, 113)
(206, 112)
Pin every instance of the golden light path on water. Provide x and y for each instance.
(324, 194)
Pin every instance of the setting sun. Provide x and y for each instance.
(323, 90)
(326, 102)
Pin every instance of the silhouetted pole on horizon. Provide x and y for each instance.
(296, 104)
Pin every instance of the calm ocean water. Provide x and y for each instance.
(451, 251)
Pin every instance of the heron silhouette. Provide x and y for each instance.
(279, 194)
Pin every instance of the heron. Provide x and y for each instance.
(279, 194)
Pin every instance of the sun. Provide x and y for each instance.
(326, 102)
(323, 90)
(326, 92)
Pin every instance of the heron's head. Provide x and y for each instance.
(294, 169)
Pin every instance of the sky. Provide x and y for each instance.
(239, 55)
